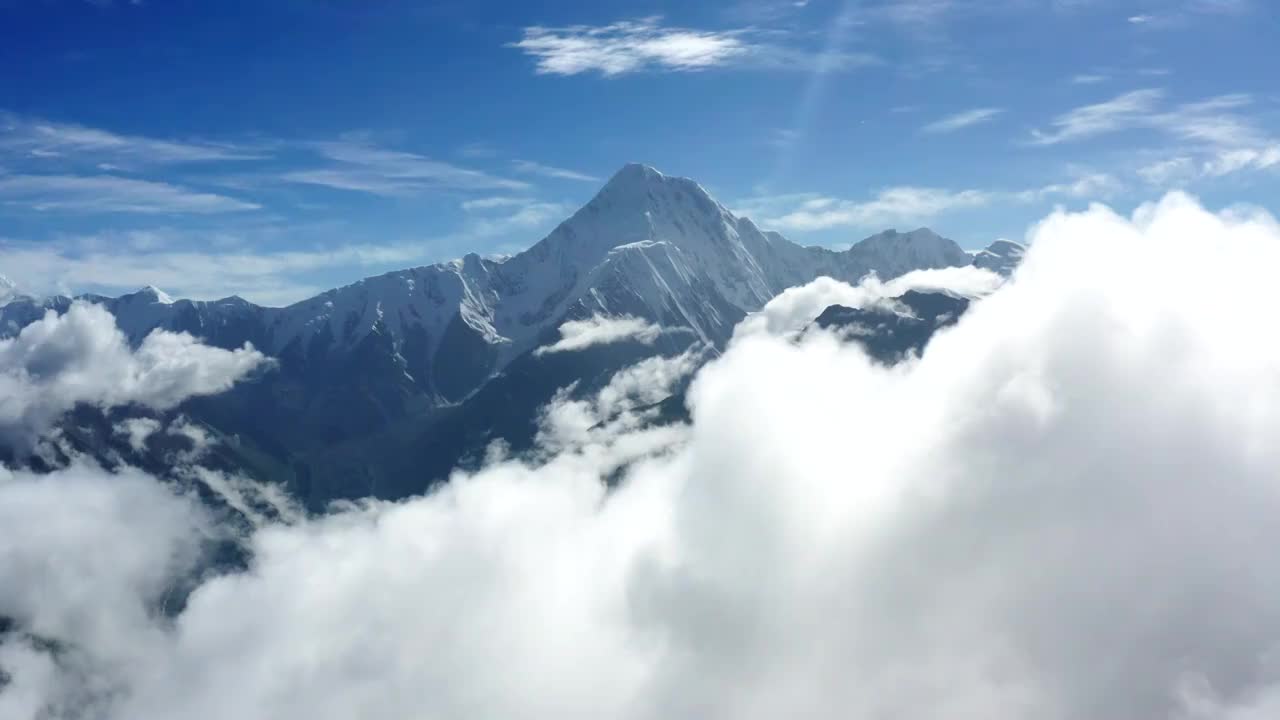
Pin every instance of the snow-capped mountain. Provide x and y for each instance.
(423, 342)
(1001, 256)
(648, 244)
(8, 290)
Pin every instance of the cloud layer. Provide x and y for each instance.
(1064, 509)
(81, 357)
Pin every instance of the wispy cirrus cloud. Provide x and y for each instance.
(910, 205)
(497, 216)
(1213, 121)
(1215, 136)
(99, 194)
(46, 139)
(806, 212)
(647, 45)
(363, 167)
(188, 264)
(1119, 113)
(1181, 170)
(526, 167)
(1089, 78)
(1178, 14)
(962, 120)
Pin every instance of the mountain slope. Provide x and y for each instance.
(396, 353)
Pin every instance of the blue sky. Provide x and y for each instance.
(274, 149)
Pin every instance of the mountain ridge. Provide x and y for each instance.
(671, 224)
(414, 357)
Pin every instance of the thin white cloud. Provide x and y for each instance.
(628, 46)
(81, 357)
(1226, 162)
(112, 263)
(496, 201)
(645, 44)
(1119, 113)
(363, 167)
(962, 120)
(1078, 476)
(1216, 137)
(1171, 171)
(476, 150)
(1180, 14)
(600, 330)
(806, 212)
(111, 194)
(1086, 186)
(1089, 79)
(895, 205)
(532, 168)
(526, 216)
(77, 143)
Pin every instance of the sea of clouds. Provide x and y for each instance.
(1067, 508)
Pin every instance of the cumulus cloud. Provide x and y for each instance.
(601, 330)
(1064, 508)
(796, 308)
(82, 357)
(89, 560)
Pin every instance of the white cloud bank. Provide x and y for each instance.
(1065, 509)
(601, 330)
(82, 357)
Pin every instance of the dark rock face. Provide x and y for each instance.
(891, 331)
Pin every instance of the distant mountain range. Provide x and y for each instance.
(385, 384)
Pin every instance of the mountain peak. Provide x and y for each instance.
(152, 294)
(898, 252)
(1001, 256)
(8, 290)
(634, 173)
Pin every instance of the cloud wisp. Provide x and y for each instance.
(197, 268)
(646, 44)
(600, 330)
(361, 167)
(807, 212)
(906, 204)
(49, 140)
(1076, 477)
(961, 120)
(527, 167)
(99, 194)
